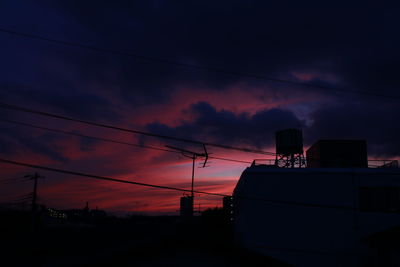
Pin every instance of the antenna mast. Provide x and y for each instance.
(192, 155)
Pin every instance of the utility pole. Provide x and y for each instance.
(194, 159)
(192, 155)
(35, 178)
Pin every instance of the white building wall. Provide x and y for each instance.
(308, 235)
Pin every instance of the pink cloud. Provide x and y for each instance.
(137, 164)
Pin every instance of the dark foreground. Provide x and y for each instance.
(135, 241)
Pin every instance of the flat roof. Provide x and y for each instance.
(271, 169)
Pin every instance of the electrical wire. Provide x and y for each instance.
(237, 196)
(57, 116)
(111, 179)
(170, 150)
(111, 140)
(191, 66)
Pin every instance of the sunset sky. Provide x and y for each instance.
(353, 48)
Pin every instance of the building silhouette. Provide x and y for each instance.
(186, 206)
(320, 215)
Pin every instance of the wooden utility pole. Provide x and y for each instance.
(35, 178)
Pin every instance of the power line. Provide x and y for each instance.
(191, 66)
(151, 147)
(84, 136)
(109, 140)
(232, 160)
(52, 115)
(111, 179)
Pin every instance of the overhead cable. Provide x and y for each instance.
(111, 179)
(237, 196)
(110, 140)
(191, 66)
(62, 117)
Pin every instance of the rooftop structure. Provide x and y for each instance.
(338, 154)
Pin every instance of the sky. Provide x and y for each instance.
(234, 98)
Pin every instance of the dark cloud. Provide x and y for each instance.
(79, 104)
(87, 144)
(264, 38)
(356, 44)
(20, 140)
(337, 121)
(261, 37)
(226, 127)
(378, 124)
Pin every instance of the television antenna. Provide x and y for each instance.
(192, 155)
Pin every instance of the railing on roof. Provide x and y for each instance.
(264, 162)
(375, 163)
(383, 163)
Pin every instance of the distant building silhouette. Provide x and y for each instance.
(56, 214)
(186, 206)
(85, 214)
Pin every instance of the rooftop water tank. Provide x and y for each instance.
(289, 142)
